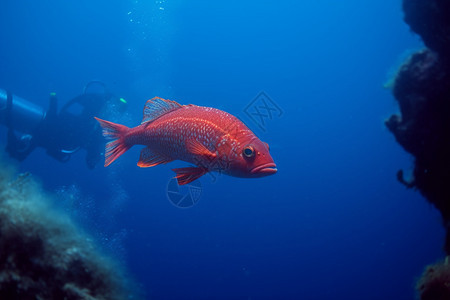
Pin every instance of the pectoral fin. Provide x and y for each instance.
(195, 147)
(189, 174)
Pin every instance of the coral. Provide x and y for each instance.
(43, 255)
(435, 282)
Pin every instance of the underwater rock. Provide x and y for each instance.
(418, 92)
(422, 89)
(431, 20)
(43, 255)
(435, 282)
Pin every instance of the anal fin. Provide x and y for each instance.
(189, 174)
(150, 158)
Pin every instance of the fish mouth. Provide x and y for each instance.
(266, 169)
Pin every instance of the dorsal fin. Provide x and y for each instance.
(156, 107)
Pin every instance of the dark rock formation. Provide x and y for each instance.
(431, 20)
(422, 89)
(43, 255)
(434, 283)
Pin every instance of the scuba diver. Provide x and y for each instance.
(61, 134)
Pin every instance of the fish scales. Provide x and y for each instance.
(168, 134)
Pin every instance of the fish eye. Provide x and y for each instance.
(267, 145)
(248, 151)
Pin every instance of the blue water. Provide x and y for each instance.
(333, 223)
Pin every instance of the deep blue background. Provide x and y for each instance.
(333, 223)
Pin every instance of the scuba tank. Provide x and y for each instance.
(19, 114)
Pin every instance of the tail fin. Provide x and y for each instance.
(117, 146)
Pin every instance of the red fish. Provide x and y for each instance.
(209, 138)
